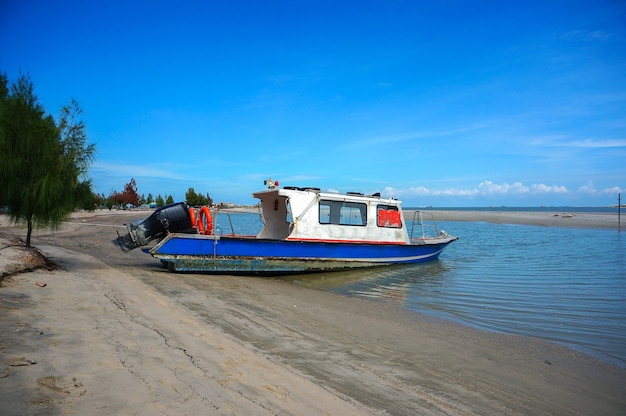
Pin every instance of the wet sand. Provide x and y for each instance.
(109, 333)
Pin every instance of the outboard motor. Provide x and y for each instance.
(173, 218)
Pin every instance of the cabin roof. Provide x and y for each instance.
(288, 191)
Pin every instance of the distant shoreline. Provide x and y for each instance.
(504, 208)
(542, 218)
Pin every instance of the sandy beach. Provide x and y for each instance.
(109, 333)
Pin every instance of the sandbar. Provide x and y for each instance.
(548, 219)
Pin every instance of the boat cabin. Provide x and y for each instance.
(308, 214)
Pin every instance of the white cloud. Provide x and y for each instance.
(590, 189)
(485, 188)
(420, 190)
(541, 188)
(413, 135)
(593, 144)
(132, 170)
(588, 35)
(613, 190)
(490, 188)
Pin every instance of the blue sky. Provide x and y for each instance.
(447, 103)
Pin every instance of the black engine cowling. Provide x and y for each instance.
(172, 218)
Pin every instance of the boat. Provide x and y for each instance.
(303, 230)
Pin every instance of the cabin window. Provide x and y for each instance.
(342, 213)
(388, 217)
(289, 217)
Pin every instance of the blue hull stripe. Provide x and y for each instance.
(202, 252)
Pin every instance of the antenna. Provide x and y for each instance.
(270, 183)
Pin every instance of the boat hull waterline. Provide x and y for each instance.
(223, 254)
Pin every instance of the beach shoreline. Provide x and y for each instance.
(77, 339)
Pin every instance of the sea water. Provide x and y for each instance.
(566, 285)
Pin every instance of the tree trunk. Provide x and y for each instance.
(29, 231)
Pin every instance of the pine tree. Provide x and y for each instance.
(43, 166)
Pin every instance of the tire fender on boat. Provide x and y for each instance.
(204, 217)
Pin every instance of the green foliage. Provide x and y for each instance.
(4, 86)
(193, 199)
(109, 203)
(44, 165)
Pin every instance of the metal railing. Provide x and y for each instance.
(428, 230)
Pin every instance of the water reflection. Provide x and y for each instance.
(561, 284)
(388, 283)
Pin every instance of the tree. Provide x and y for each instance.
(115, 199)
(77, 155)
(43, 165)
(99, 200)
(89, 201)
(194, 199)
(169, 199)
(130, 195)
(110, 201)
(4, 86)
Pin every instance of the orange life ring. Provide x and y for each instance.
(192, 215)
(205, 222)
